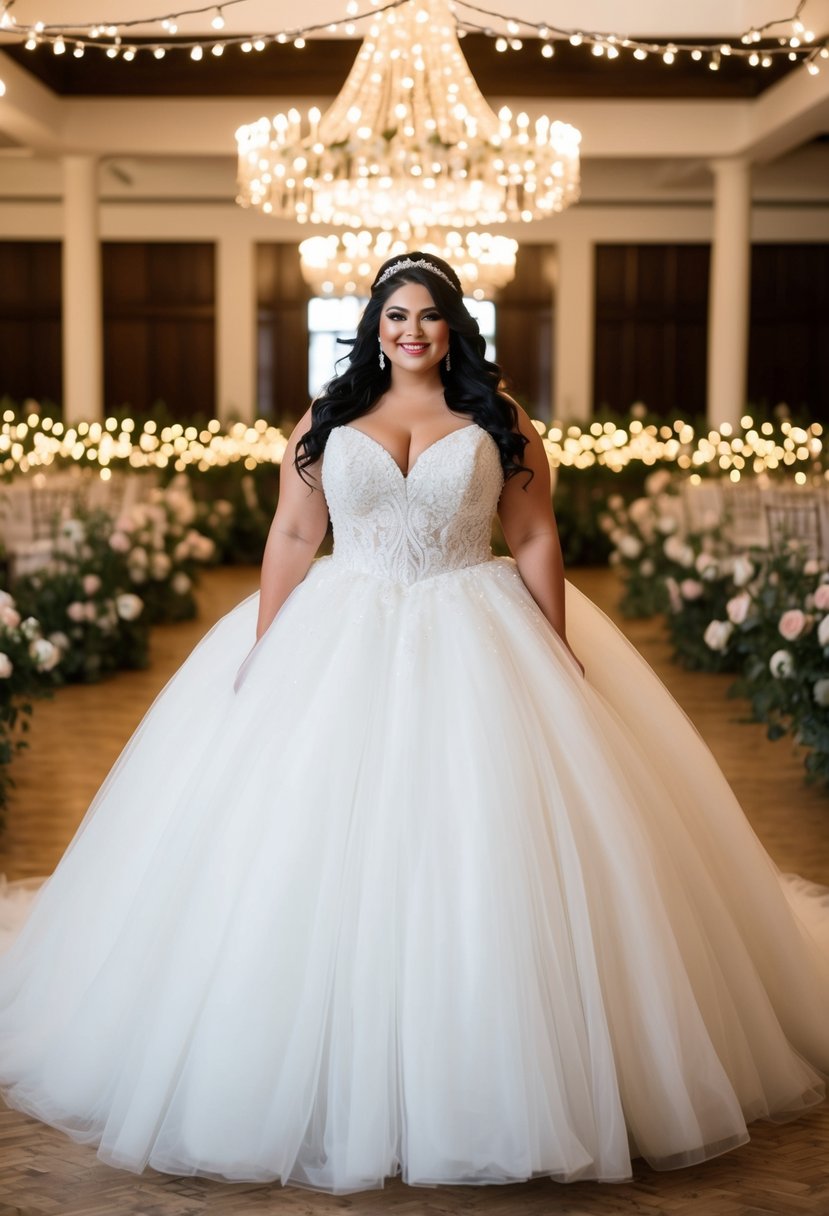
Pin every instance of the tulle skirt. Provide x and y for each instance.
(399, 892)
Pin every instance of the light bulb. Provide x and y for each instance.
(218, 21)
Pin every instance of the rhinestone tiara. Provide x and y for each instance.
(408, 264)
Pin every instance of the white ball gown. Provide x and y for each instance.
(399, 892)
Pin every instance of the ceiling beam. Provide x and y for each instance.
(29, 112)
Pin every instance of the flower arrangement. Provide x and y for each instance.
(762, 614)
(777, 622)
(29, 668)
(86, 602)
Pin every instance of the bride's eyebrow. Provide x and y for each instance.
(400, 308)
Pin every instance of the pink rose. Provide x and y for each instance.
(9, 616)
(76, 611)
(691, 588)
(737, 608)
(91, 584)
(792, 624)
(120, 542)
(821, 597)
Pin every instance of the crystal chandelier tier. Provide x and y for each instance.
(410, 135)
(346, 263)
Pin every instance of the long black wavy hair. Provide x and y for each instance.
(471, 387)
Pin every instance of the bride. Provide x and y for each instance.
(384, 883)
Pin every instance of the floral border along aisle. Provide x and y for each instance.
(759, 613)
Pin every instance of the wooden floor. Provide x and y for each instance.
(75, 739)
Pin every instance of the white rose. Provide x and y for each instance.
(6, 601)
(182, 506)
(76, 611)
(91, 584)
(60, 640)
(707, 566)
(640, 509)
(72, 530)
(781, 664)
(646, 568)
(823, 631)
(160, 566)
(691, 589)
(657, 482)
(812, 566)
(737, 607)
(666, 524)
(717, 634)
(630, 546)
(30, 628)
(129, 606)
(676, 550)
(204, 548)
(138, 556)
(742, 570)
(674, 598)
(181, 583)
(44, 653)
(820, 692)
(6, 666)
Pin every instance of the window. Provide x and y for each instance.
(331, 319)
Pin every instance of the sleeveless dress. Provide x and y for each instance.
(400, 892)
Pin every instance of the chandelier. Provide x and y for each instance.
(347, 264)
(410, 135)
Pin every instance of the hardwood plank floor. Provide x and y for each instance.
(75, 739)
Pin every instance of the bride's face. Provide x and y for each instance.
(413, 334)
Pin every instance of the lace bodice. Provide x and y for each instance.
(406, 528)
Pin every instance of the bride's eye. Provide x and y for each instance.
(396, 316)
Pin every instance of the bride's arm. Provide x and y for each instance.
(297, 531)
(529, 527)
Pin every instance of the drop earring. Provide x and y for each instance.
(382, 356)
(448, 362)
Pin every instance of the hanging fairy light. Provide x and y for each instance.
(347, 263)
(409, 134)
(785, 37)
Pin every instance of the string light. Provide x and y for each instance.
(29, 442)
(797, 45)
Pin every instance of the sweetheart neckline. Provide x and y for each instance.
(405, 476)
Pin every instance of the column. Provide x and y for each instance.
(83, 370)
(235, 328)
(728, 300)
(574, 330)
